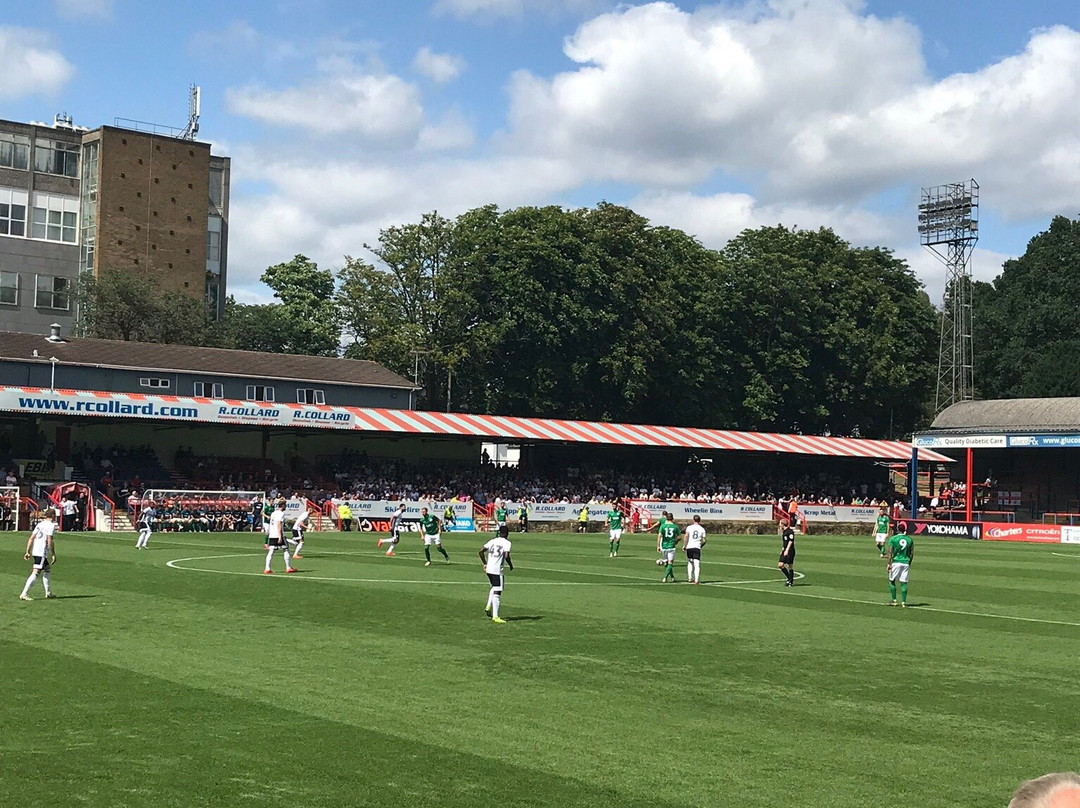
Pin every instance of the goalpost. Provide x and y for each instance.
(10, 503)
(186, 507)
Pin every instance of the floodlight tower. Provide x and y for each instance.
(949, 228)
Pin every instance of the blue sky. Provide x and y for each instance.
(345, 117)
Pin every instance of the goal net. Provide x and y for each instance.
(196, 510)
(10, 507)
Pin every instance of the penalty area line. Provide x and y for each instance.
(962, 612)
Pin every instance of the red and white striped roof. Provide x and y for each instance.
(509, 428)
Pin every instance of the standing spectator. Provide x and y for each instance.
(345, 516)
(69, 512)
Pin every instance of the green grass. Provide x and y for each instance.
(372, 681)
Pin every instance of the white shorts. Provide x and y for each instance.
(899, 572)
(879, 538)
(436, 540)
(615, 533)
(667, 555)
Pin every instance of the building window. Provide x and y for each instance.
(56, 157)
(12, 212)
(216, 390)
(14, 152)
(9, 288)
(308, 395)
(160, 384)
(257, 392)
(52, 292)
(213, 246)
(54, 218)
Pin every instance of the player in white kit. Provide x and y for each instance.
(397, 527)
(695, 540)
(275, 539)
(494, 555)
(298, 529)
(39, 548)
(145, 524)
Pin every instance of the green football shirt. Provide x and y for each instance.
(614, 519)
(902, 546)
(500, 515)
(430, 524)
(669, 536)
(882, 524)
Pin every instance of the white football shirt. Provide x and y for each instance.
(497, 551)
(41, 535)
(301, 518)
(694, 534)
(277, 519)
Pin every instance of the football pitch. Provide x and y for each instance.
(182, 676)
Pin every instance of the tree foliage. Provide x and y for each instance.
(1024, 323)
(126, 305)
(597, 314)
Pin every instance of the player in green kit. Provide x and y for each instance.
(614, 520)
(667, 540)
(429, 529)
(500, 516)
(901, 551)
(881, 530)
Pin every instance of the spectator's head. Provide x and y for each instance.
(1058, 790)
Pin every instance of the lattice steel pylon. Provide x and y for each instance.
(949, 228)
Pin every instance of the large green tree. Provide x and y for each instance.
(127, 305)
(831, 338)
(1025, 323)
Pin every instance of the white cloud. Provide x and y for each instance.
(31, 64)
(73, 9)
(241, 39)
(452, 133)
(811, 100)
(715, 219)
(439, 67)
(345, 99)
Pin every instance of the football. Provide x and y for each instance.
(660, 562)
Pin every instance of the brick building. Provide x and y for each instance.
(75, 200)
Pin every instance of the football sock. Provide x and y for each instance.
(30, 582)
(791, 576)
(611, 546)
(288, 561)
(669, 570)
(892, 590)
(494, 604)
(427, 552)
(616, 546)
(299, 547)
(689, 570)
(269, 556)
(697, 570)
(491, 594)
(48, 589)
(903, 592)
(439, 547)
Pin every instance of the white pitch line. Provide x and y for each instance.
(927, 608)
(541, 569)
(1075, 556)
(175, 562)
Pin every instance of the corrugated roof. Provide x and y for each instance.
(188, 358)
(1011, 415)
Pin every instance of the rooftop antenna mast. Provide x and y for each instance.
(194, 107)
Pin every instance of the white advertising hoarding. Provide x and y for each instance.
(709, 511)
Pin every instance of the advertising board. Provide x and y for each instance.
(839, 513)
(927, 527)
(1070, 534)
(1049, 534)
(709, 511)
